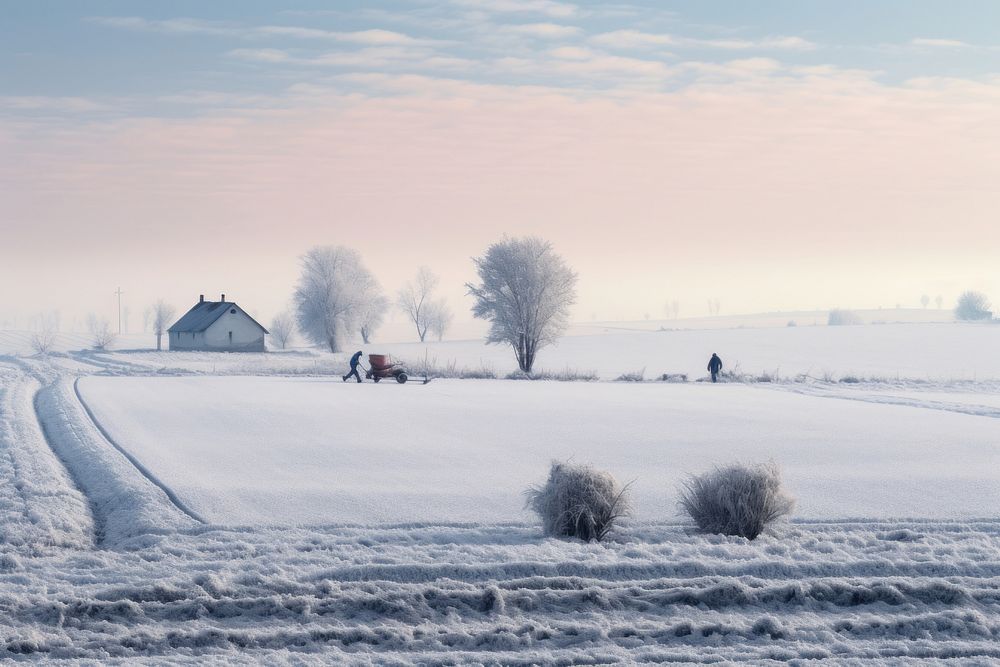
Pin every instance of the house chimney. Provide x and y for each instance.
(223, 297)
(201, 298)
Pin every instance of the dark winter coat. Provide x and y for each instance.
(714, 364)
(355, 360)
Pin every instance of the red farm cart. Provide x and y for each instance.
(381, 366)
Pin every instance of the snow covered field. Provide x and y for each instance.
(266, 450)
(206, 507)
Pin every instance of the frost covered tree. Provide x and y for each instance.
(373, 315)
(973, 306)
(839, 317)
(525, 294)
(438, 316)
(925, 300)
(332, 294)
(282, 329)
(939, 301)
(163, 316)
(415, 296)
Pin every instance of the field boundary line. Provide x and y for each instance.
(178, 503)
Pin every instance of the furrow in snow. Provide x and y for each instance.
(124, 501)
(217, 595)
(39, 502)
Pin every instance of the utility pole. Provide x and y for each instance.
(119, 293)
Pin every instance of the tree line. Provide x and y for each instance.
(525, 291)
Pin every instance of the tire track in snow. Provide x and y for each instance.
(148, 474)
(976, 410)
(41, 502)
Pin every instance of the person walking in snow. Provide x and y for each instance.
(355, 360)
(715, 367)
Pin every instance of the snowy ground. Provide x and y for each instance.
(271, 450)
(150, 520)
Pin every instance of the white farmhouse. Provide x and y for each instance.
(218, 326)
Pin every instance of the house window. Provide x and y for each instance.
(232, 311)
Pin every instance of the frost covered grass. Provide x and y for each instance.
(430, 368)
(485, 594)
(579, 501)
(736, 500)
(565, 375)
(633, 376)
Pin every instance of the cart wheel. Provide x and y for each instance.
(376, 378)
(401, 378)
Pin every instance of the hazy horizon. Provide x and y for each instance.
(786, 157)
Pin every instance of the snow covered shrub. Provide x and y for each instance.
(43, 341)
(838, 318)
(736, 500)
(973, 306)
(634, 376)
(579, 501)
(101, 333)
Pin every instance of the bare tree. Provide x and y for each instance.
(925, 300)
(973, 306)
(675, 306)
(101, 333)
(373, 315)
(414, 296)
(939, 301)
(282, 329)
(330, 298)
(526, 292)
(147, 315)
(163, 315)
(439, 317)
(43, 340)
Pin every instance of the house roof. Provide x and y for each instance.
(204, 314)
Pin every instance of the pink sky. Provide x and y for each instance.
(763, 186)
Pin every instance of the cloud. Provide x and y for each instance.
(370, 58)
(636, 39)
(51, 103)
(178, 26)
(262, 55)
(543, 30)
(942, 43)
(572, 53)
(545, 7)
(184, 26)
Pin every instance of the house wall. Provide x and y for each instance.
(246, 336)
(187, 341)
